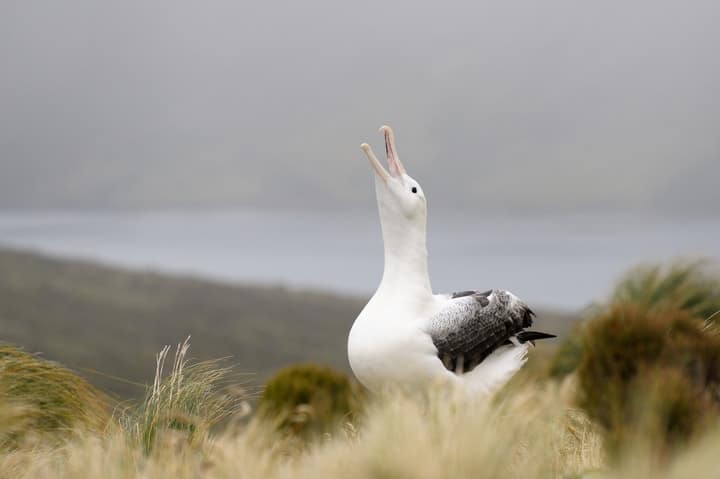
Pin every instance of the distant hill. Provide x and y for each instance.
(110, 320)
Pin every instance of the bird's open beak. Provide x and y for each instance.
(379, 170)
(396, 168)
(394, 165)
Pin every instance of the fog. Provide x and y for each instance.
(519, 107)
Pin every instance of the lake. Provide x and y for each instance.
(562, 261)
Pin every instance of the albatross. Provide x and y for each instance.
(408, 336)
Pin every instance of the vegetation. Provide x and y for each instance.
(436, 434)
(648, 361)
(42, 398)
(693, 287)
(640, 398)
(309, 399)
(649, 374)
(535, 432)
(568, 353)
(192, 399)
(689, 287)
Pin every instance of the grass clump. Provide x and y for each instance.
(692, 287)
(190, 400)
(437, 433)
(689, 287)
(307, 399)
(48, 399)
(649, 374)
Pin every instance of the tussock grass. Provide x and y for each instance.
(438, 434)
(190, 400)
(309, 399)
(649, 374)
(441, 434)
(533, 432)
(42, 400)
(688, 287)
(648, 360)
(184, 428)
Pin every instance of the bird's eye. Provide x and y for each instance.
(414, 189)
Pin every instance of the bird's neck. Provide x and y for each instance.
(406, 270)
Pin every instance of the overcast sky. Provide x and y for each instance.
(503, 105)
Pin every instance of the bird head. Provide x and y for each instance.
(400, 198)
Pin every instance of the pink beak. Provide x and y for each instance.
(394, 165)
(396, 168)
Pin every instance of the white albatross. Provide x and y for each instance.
(408, 336)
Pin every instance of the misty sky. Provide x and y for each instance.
(496, 105)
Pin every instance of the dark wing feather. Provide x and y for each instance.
(474, 324)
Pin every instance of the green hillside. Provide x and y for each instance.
(97, 318)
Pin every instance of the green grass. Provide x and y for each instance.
(309, 399)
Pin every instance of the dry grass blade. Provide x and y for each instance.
(191, 399)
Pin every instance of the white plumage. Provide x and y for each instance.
(408, 336)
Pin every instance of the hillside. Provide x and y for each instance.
(110, 320)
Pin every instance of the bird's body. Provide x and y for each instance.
(408, 336)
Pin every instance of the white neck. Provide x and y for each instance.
(406, 271)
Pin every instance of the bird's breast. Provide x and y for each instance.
(383, 349)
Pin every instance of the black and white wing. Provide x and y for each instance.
(474, 324)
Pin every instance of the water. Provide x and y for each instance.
(553, 261)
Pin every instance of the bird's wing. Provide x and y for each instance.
(473, 324)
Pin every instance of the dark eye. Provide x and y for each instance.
(413, 189)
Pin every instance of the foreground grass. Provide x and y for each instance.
(191, 425)
(528, 434)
